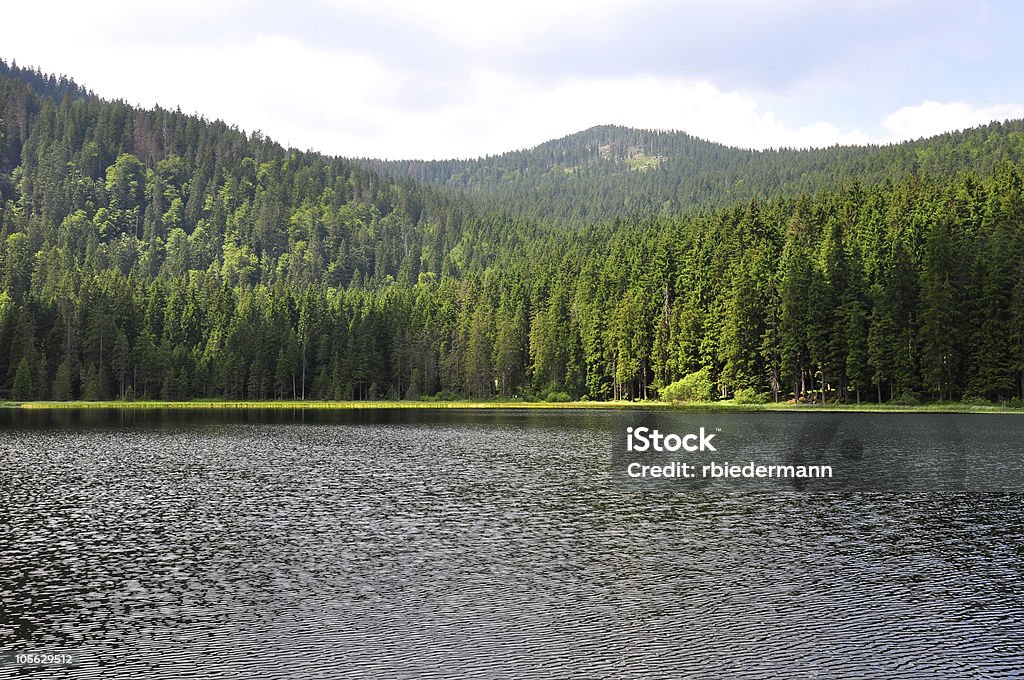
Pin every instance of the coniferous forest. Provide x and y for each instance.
(154, 254)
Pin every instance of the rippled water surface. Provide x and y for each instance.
(472, 544)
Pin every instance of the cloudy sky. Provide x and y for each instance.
(463, 78)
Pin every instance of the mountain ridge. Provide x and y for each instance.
(612, 171)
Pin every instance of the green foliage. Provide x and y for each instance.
(148, 254)
(906, 399)
(693, 387)
(126, 184)
(748, 395)
(610, 171)
(443, 395)
(23, 389)
(558, 397)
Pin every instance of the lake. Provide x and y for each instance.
(459, 543)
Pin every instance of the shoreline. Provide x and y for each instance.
(948, 407)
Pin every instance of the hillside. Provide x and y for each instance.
(74, 167)
(612, 171)
(152, 254)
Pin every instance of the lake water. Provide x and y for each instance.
(479, 544)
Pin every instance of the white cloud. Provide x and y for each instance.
(931, 118)
(492, 25)
(341, 99)
(497, 112)
(351, 104)
(504, 112)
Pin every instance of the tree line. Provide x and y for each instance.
(151, 254)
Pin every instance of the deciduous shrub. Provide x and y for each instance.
(748, 395)
(694, 387)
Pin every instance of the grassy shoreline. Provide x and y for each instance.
(948, 407)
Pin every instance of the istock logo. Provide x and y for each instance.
(642, 439)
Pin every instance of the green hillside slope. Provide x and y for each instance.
(611, 171)
(152, 254)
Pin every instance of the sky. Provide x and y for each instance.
(466, 78)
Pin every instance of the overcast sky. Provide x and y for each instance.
(442, 79)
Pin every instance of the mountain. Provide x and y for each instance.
(611, 171)
(149, 253)
(160, 176)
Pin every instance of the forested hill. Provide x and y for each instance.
(612, 171)
(149, 253)
(160, 192)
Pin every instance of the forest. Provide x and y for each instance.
(610, 171)
(155, 254)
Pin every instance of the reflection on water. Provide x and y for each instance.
(472, 544)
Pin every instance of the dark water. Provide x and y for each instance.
(474, 544)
